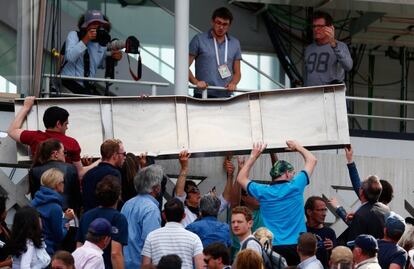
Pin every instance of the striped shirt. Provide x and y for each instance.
(172, 239)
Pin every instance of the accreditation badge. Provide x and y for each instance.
(224, 71)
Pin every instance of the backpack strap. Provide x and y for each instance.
(244, 245)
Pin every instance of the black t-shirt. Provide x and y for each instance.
(322, 254)
(389, 252)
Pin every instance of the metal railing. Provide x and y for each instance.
(205, 91)
(153, 84)
(380, 100)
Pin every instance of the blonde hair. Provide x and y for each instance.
(249, 259)
(51, 177)
(265, 237)
(407, 239)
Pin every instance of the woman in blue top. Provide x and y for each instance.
(48, 201)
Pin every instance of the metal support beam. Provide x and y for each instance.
(371, 72)
(25, 44)
(37, 80)
(403, 92)
(182, 10)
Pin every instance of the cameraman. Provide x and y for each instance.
(85, 51)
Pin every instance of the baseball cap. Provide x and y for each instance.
(93, 16)
(100, 226)
(365, 242)
(280, 168)
(341, 254)
(394, 223)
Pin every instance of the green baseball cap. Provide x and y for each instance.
(280, 168)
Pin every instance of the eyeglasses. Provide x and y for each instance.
(123, 153)
(318, 26)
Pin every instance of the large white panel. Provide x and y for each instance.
(164, 125)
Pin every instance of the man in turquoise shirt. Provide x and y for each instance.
(281, 202)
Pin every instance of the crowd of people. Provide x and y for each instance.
(80, 217)
(110, 213)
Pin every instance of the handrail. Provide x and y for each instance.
(153, 84)
(379, 100)
(161, 84)
(379, 117)
(264, 74)
(205, 95)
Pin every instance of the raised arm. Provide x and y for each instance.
(228, 165)
(310, 159)
(340, 49)
(183, 158)
(236, 190)
(243, 176)
(15, 127)
(273, 158)
(352, 169)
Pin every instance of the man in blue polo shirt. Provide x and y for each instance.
(217, 57)
(281, 202)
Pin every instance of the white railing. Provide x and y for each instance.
(154, 85)
(379, 100)
(205, 91)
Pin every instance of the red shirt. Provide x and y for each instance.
(33, 138)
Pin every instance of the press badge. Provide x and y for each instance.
(224, 71)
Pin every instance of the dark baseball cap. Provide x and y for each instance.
(100, 226)
(365, 242)
(394, 223)
(93, 16)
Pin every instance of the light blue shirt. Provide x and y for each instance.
(282, 207)
(210, 230)
(310, 263)
(74, 52)
(143, 217)
(206, 68)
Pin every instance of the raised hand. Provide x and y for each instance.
(257, 149)
(183, 158)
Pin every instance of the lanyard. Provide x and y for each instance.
(225, 50)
